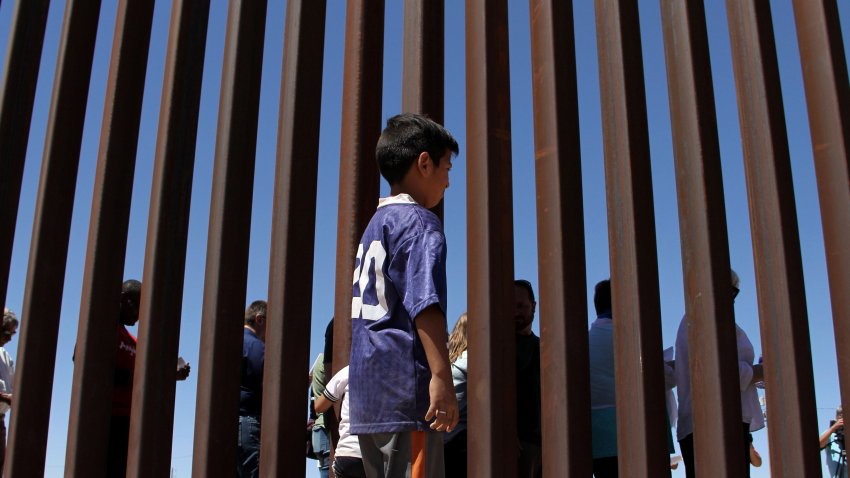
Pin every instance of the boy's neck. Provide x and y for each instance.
(402, 188)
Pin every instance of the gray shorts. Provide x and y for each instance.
(388, 455)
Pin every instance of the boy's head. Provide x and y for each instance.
(413, 142)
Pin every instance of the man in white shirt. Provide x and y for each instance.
(7, 376)
(749, 375)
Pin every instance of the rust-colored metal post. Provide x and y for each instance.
(424, 45)
(825, 76)
(776, 242)
(560, 242)
(705, 244)
(492, 342)
(91, 395)
(17, 95)
(293, 226)
(423, 66)
(49, 247)
(152, 415)
(641, 428)
(219, 367)
(358, 172)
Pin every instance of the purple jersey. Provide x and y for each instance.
(400, 270)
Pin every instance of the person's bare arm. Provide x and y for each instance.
(322, 404)
(824, 438)
(431, 326)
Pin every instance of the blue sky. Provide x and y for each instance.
(664, 188)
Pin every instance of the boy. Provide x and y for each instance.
(400, 373)
(348, 462)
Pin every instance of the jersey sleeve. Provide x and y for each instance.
(419, 270)
(336, 387)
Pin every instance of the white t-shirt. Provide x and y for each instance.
(336, 389)
(7, 376)
(750, 407)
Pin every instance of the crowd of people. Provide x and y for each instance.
(402, 398)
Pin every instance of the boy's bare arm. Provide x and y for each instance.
(322, 404)
(431, 326)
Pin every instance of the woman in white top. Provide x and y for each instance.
(749, 374)
(454, 442)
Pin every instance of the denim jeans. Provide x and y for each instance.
(248, 465)
(322, 449)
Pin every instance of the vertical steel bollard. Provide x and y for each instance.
(49, 247)
(152, 414)
(776, 241)
(492, 350)
(641, 428)
(91, 395)
(560, 242)
(293, 226)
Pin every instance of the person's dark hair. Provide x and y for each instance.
(406, 137)
(602, 297)
(258, 307)
(131, 287)
(527, 286)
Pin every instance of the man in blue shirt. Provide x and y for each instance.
(400, 375)
(251, 393)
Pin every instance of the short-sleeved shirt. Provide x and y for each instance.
(400, 270)
(317, 388)
(336, 390)
(125, 364)
(251, 391)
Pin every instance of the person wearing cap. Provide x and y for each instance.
(749, 374)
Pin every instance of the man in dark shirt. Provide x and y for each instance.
(251, 394)
(530, 463)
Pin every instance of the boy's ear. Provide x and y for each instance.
(424, 163)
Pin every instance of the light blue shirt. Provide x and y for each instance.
(834, 460)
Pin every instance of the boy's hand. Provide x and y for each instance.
(443, 405)
(431, 326)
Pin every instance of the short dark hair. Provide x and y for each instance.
(602, 297)
(132, 287)
(258, 307)
(406, 137)
(527, 286)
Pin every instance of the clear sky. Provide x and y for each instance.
(664, 188)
